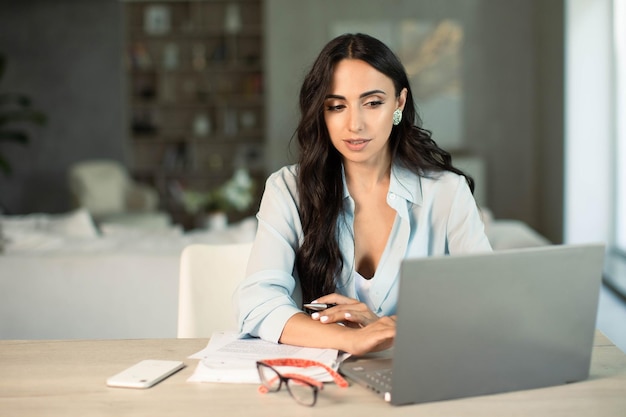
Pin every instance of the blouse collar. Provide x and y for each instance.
(403, 183)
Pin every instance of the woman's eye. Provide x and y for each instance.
(335, 107)
(374, 103)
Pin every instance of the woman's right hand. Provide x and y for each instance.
(302, 330)
(368, 332)
(376, 336)
(348, 311)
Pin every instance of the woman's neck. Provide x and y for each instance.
(366, 176)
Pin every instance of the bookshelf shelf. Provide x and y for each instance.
(194, 72)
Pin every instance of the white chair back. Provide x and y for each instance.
(208, 277)
(100, 186)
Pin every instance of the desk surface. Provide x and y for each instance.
(67, 378)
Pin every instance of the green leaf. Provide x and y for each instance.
(3, 64)
(15, 99)
(23, 116)
(4, 166)
(13, 136)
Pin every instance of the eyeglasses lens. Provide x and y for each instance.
(269, 378)
(302, 392)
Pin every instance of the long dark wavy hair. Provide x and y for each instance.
(320, 184)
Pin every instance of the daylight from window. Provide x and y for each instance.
(620, 118)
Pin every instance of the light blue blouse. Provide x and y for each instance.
(436, 215)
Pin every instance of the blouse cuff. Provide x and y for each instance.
(272, 326)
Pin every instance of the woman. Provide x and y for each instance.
(370, 188)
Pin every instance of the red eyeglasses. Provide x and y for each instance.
(302, 388)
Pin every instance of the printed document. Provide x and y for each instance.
(227, 358)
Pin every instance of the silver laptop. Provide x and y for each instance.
(486, 323)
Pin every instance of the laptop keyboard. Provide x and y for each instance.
(380, 379)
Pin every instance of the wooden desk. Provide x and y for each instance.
(67, 378)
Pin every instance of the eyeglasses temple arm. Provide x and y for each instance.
(307, 363)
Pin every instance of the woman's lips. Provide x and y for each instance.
(356, 144)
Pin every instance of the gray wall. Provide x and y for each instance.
(68, 55)
(549, 138)
(512, 76)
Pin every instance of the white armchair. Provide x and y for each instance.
(106, 190)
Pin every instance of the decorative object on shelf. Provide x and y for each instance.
(167, 88)
(250, 155)
(143, 123)
(236, 194)
(201, 125)
(190, 89)
(198, 56)
(248, 119)
(140, 57)
(220, 53)
(176, 156)
(196, 16)
(232, 19)
(216, 162)
(156, 20)
(170, 56)
(217, 220)
(253, 85)
(230, 122)
(145, 86)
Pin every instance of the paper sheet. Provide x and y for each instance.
(227, 358)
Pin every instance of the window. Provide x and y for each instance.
(619, 33)
(589, 122)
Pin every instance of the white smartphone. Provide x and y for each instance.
(145, 374)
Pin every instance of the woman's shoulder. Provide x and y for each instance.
(443, 177)
(284, 178)
(429, 177)
(287, 173)
(444, 183)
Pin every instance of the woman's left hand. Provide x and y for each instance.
(348, 311)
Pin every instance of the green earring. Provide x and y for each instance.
(397, 117)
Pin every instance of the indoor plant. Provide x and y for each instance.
(236, 194)
(15, 110)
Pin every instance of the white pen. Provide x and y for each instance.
(318, 306)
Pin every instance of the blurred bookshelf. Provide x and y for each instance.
(194, 76)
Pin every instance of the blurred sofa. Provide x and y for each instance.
(61, 278)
